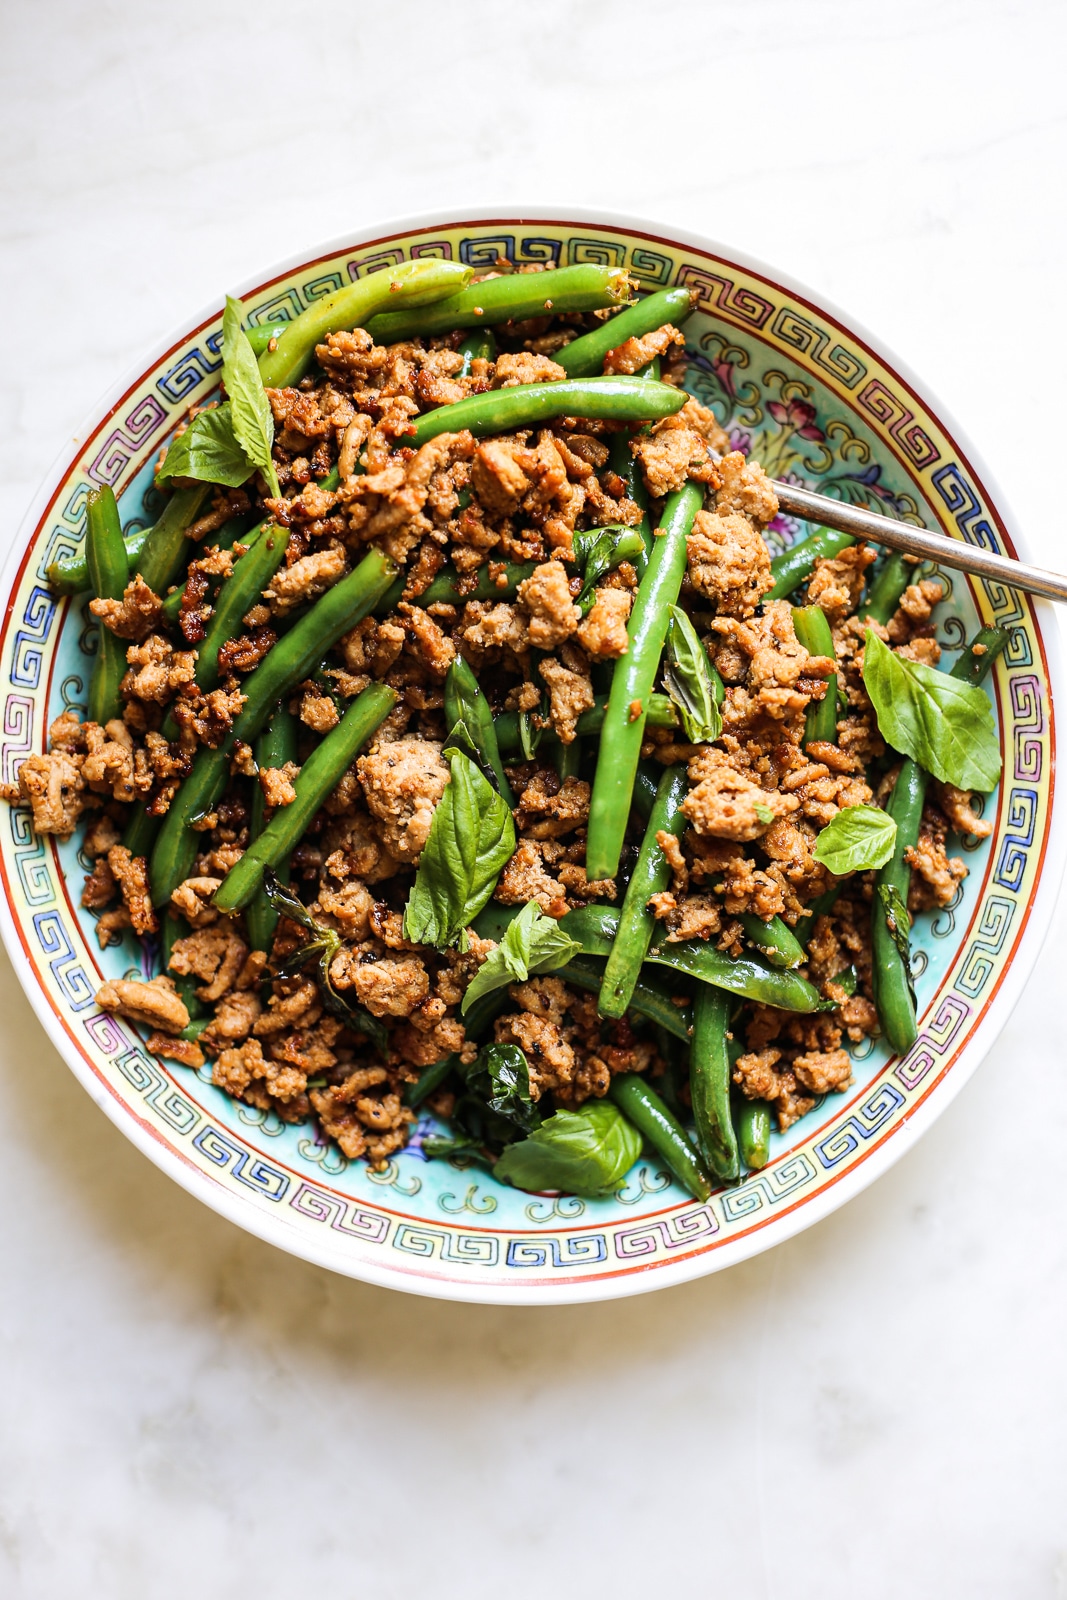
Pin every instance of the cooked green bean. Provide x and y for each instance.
(661, 714)
(318, 777)
(774, 939)
(451, 588)
(883, 597)
(650, 876)
(813, 632)
(227, 536)
(568, 759)
(625, 465)
(282, 668)
(653, 1000)
(412, 283)
(509, 298)
(166, 550)
(891, 981)
(526, 405)
(795, 565)
(819, 907)
(646, 782)
(109, 573)
(141, 831)
(752, 1119)
(69, 574)
(631, 684)
(585, 355)
(477, 346)
(641, 1105)
(261, 334)
(429, 1079)
(275, 746)
(465, 702)
(709, 1083)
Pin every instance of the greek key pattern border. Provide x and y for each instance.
(565, 1240)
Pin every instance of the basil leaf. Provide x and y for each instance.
(898, 921)
(586, 1152)
(471, 836)
(532, 943)
(253, 420)
(208, 451)
(599, 551)
(691, 680)
(858, 839)
(942, 723)
(321, 947)
(500, 1076)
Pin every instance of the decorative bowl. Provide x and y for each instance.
(817, 401)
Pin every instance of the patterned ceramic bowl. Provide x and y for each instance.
(818, 403)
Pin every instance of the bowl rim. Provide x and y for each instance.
(270, 1227)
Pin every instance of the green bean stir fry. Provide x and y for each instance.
(474, 775)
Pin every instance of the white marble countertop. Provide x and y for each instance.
(872, 1410)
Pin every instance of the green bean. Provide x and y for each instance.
(477, 346)
(631, 685)
(813, 632)
(450, 588)
(641, 1105)
(646, 783)
(261, 334)
(192, 1033)
(625, 465)
(526, 405)
(795, 565)
(584, 356)
(166, 550)
(429, 1079)
(510, 298)
(774, 939)
(650, 876)
(69, 574)
(650, 998)
(568, 759)
(276, 745)
(318, 777)
(752, 1120)
(226, 537)
(412, 283)
(884, 594)
(891, 980)
(282, 668)
(109, 573)
(661, 714)
(140, 832)
(465, 702)
(709, 1083)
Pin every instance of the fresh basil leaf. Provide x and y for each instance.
(691, 680)
(764, 814)
(321, 947)
(858, 839)
(898, 921)
(942, 723)
(599, 551)
(253, 420)
(471, 836)
(500, 1076)
(208, 451)
(532, 943)
(586, 1152)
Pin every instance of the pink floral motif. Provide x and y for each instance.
(799, 417)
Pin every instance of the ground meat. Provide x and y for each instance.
(781, 673)
(570, 693)
(55, 789)
(318, 711)
(155, 1004)
(742, 487)
(387, 987)
(523, 367)
(548, 809)
(157, 670)
(244, 1072)
(729, 562)
(277, 784)
(525, 877)
(823, 1071)
(185, 1051)
(603, 634)
(727, 804)
(551, 1059)
(935, 875)
(958, 807)
(487, 627)
(112, 764)
(671, 455)
(215, 955)
(132, 617)
(693, 916)
(633, 354)
(362, 1123)
(546, 597)
(305, 580)
(403, 781)
(836, 585)
(192, 900)
(131, 875)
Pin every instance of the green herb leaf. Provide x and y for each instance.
(500, 1076)
(898, 921)
(253, 420)
(532, 943)
(943, 724)
(858, 839)
(586, 1152)
(764, 814)
(599, 551)
(321, 947)
(691, 680)
(208, 451)
(471, 836)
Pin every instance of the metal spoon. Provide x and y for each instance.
(915, 541)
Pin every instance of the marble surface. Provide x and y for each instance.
(874, 1409)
